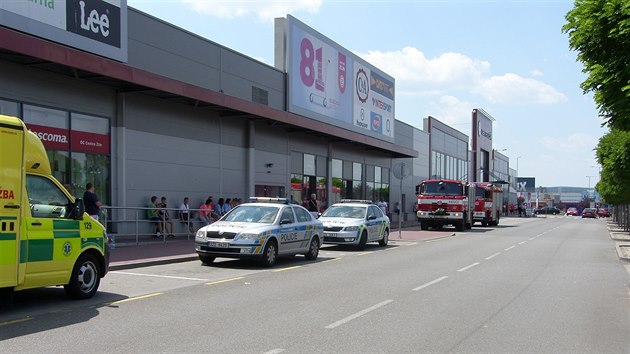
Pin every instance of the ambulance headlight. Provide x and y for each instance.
(351, 228)
(246, 236)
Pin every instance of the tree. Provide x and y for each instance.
(613, 155)
(599, 30)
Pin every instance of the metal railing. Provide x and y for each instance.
(128, 226)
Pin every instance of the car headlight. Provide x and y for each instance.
(200, 234)
(351, 228)
(246, 236)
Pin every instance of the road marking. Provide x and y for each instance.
(158, 276)
(532, 238)
(468, 267)
(330, 260)
(275, 351)
(429, 283)
(494, 255)
(135, 298)
(358, 314)
(520, 243)
(364, 253)
(509, 248)
(287, 268)
(223, 281)
(15, 321)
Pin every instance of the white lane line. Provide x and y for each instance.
(429, 283)
(520, 243)
(158, 276)
(509, 248)
(275, 351)
(468, 267)
(532, 238)
(358, 314)
(494, 255)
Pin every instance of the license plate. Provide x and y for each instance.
(330, 234)
(218, 244)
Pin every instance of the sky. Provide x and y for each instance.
(507, 57)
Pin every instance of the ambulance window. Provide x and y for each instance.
(45, 198)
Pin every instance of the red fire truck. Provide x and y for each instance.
(488, 203)
(444, 202)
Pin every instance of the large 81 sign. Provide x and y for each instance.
(314, 66)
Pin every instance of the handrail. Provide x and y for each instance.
(129, 225)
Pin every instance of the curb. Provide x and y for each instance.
(620, 253)
(123, 265)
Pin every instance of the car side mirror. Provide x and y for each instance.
(285, 221)
(78, 209)
(371, 217)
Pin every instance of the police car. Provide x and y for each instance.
(264, 228)
(355, 222)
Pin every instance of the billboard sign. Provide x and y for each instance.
(95, 26)
(328, 83)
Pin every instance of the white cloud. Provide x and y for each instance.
(452, 73)
(454, 112)
(264, 10)
(577, 143)
(536, 72)
(512, 88)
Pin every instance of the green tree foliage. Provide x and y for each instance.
(599, 30)
(613, 154)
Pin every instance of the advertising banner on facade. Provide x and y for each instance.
(330, 84)
(96, 26)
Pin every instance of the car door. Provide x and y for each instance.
(305, 228)
(373, 224)
(288, 231)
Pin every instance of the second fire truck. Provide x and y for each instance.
(488, 203)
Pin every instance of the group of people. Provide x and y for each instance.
(208, 213)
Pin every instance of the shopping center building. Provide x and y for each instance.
(140, 107)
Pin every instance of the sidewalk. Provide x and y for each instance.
(171, 251)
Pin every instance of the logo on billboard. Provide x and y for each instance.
(342, 72)
(96, 20)
(363, 89)
(377, 121)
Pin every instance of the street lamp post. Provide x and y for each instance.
(589, 188)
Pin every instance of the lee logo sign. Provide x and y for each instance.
(94, 19)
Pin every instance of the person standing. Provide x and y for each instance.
(91, 201)
(313, 206)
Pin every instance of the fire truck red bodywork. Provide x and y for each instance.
(444, 202)
(488, 203)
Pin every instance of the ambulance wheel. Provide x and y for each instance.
(362, 241)
(85, 278)
(206, 259)
(313, 250)
(270, 254)
(385, 239)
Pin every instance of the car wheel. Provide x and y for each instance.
(270, 254)
(313, 250)
(362, 241)
(385, 239)
(206, 259)
(85, 278)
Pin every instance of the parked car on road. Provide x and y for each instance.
(572, 212)
(355, 222)
(547, 210)
(264, 229)
(589, 213)
(603, 213)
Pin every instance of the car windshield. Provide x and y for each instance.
(253, 214)
(589, 210)
(345, 211)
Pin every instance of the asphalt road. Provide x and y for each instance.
(530, 285)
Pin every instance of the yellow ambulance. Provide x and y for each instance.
(46, 238)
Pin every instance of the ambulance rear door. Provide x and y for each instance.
(11, 180)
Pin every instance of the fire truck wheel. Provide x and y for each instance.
(362, 241)
(484, 224)
(460, 226)
(423, 225)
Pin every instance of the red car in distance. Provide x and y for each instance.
(572, 212)
(589, 213)
(603, 213)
